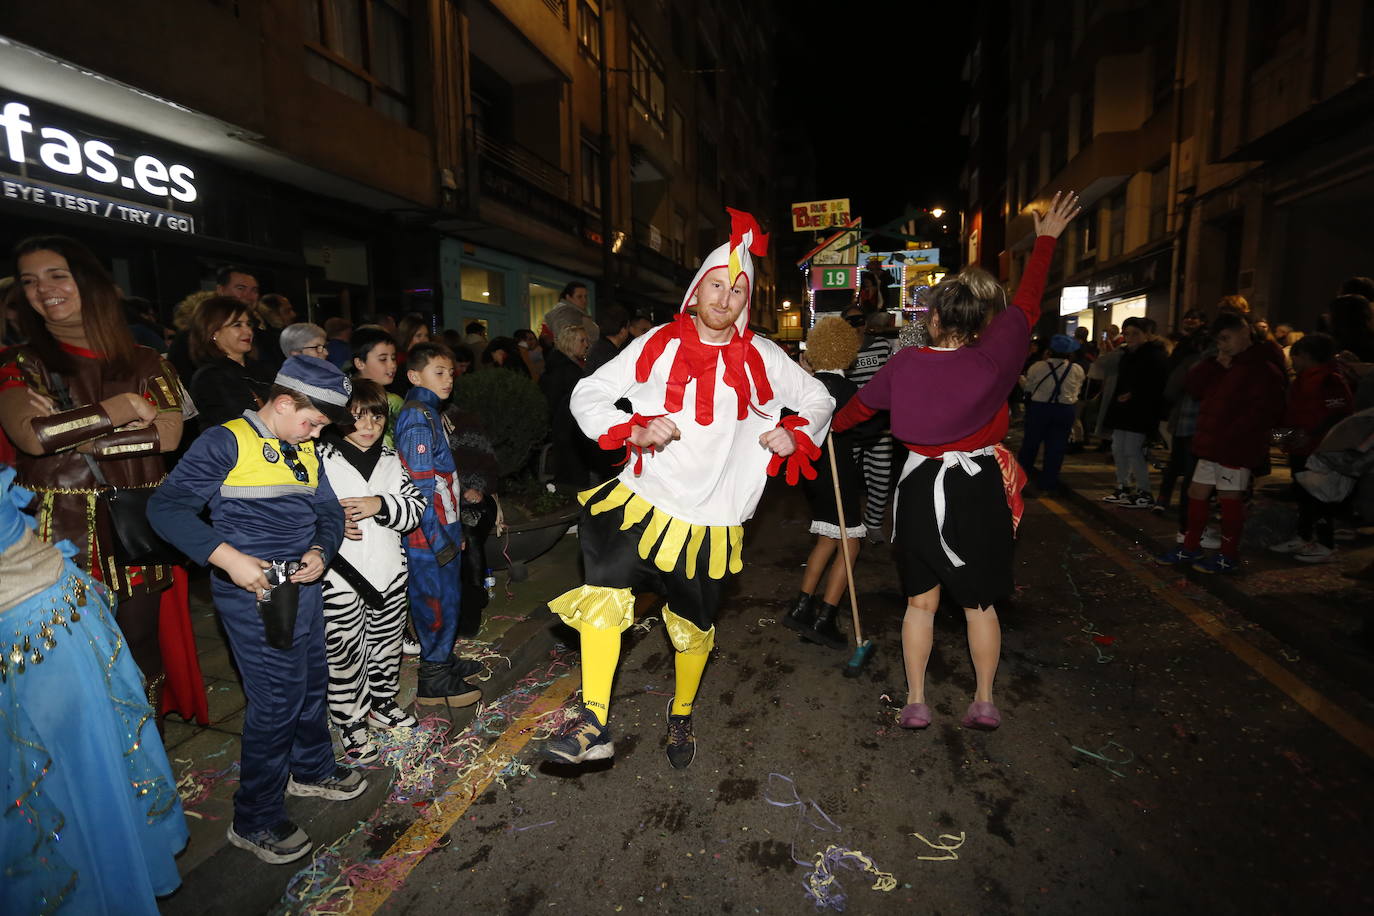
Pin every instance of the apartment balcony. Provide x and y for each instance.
(657, 253)
(514, 176)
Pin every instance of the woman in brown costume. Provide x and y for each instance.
(81, 388)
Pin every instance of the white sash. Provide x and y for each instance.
(965, 461)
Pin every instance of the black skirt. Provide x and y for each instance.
(977, 528)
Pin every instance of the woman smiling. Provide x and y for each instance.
(81, 402)
(228, 380)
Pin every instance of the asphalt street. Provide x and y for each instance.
(1159, 753)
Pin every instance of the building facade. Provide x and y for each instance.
(462, 158)
(1219, 148)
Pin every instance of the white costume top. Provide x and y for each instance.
(379, 556)
(714, 474)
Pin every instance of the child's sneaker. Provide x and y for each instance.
(341, 785)
(1218, 564)
(274, 845)
(357, 745)
(410, 645)
(1315, 553)
(1118, 497)
(1141, 500)
(1211, 538)
(386, 714)
(590, 740)
(1292, 545)
(1179, 556)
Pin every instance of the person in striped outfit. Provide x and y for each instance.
(873, 440)
(365, 585)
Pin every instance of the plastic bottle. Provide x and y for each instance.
(490, 583)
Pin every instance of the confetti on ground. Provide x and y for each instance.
(194, 786)
(1100, 755)
(428, 764)
(821, 885)
(948, 844)
(823, 888)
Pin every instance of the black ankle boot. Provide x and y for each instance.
(802, 615)
(823, 630)
(441, 685)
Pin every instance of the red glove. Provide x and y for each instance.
(799, 463)
(618, 436)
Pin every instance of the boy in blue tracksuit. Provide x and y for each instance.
(270, 501)
(434, 549)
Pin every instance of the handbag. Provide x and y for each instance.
(135, 541)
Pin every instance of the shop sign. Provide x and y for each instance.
(845, 277)
(814, 215)
(1142, 274)
(1073, 300)
(47, 162)
(46, 195)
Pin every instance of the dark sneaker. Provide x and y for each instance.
(1218, 564)
(276, 845)
(1179, 556)
(589, 741)
(357, 744)
(1141, 500)
(465, 668)
(386, 714)
(342, 785)
(682, 744)
(1118, 496)
(442, 685)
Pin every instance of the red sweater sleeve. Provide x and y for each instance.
(1032, 286)
(851, 415)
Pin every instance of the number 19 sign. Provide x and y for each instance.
(834, 277)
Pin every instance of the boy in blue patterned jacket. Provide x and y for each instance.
(433, 549)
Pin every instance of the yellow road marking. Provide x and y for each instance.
(1326, 711)
(458, 797)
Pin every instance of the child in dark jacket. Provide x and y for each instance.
(831, 349)
(1241, 395)
(1319, 399)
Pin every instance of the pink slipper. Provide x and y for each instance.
(982, 716)
(914, 715)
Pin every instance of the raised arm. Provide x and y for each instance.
(1063, 208)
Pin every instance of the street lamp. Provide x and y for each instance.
(937, 212)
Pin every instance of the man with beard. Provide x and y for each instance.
(704, 430)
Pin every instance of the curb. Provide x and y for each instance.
(232, 882)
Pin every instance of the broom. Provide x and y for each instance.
(863, 648)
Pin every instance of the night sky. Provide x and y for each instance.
(890, 72)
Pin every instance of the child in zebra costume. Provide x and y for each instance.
(365, 587)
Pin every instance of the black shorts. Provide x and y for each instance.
(610, 558)
(977, 528)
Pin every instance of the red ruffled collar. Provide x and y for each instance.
(698, 360)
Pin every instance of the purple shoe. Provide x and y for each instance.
(982, 716)
(914, 715)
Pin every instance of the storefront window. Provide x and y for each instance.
(478, 284)
(543, 298)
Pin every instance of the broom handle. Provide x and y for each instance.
(844, 542)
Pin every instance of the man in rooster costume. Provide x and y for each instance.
(708, 426)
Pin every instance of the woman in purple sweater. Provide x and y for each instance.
(957, 502)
